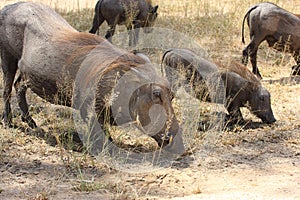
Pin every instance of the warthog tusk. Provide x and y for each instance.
(171, 139)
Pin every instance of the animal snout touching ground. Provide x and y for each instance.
(269, 119)
(171, 114)
(82, 60)
(239, 87)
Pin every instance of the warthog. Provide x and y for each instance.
(134, 14)
(49, 54)
(241, 87)
(280, 28)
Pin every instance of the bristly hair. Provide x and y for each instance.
(241, 70)
(79, 44)
(79, 38)
(87, 46)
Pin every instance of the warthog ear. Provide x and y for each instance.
(153, 9)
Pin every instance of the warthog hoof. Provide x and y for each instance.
(31, 123)
(7, 120)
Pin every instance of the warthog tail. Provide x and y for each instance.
(162, 60)
(246, 16)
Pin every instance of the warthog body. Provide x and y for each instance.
(280, 28)
(241, 87)
(64, 66)
(134, 14)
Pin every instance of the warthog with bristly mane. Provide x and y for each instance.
(134, 14)
(280, 28)
(49, 55)
(233, 85)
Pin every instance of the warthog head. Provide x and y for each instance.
(151, 106)
(145, 98)
(260, 105)
(151, 17)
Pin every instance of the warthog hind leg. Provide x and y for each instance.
(251, 50)
(98, 19)
(110, 32)
(21, 89)
(245, 56)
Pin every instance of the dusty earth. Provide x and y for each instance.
(250, 162)
(255, 161)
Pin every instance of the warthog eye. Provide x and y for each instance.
(262, 98)
(156, 95)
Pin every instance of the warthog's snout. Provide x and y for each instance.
(175, 145)
(266, 116)
(270, 119)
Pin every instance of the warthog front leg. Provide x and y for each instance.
(21, 88)
(235, 115)
(9, 68)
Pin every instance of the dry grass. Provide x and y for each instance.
(216, 26)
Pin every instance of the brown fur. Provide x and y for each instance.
(68, 67)
(241, 70)
(240, 88)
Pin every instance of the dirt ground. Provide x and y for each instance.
(259, 170)
(249, 162)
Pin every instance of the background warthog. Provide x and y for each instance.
(49, 54)
(134, 14)
(241, 87)
(280, 28)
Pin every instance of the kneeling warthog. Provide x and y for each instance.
(134, 14)
(280, 28)
(241, 87)
(58, 63)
